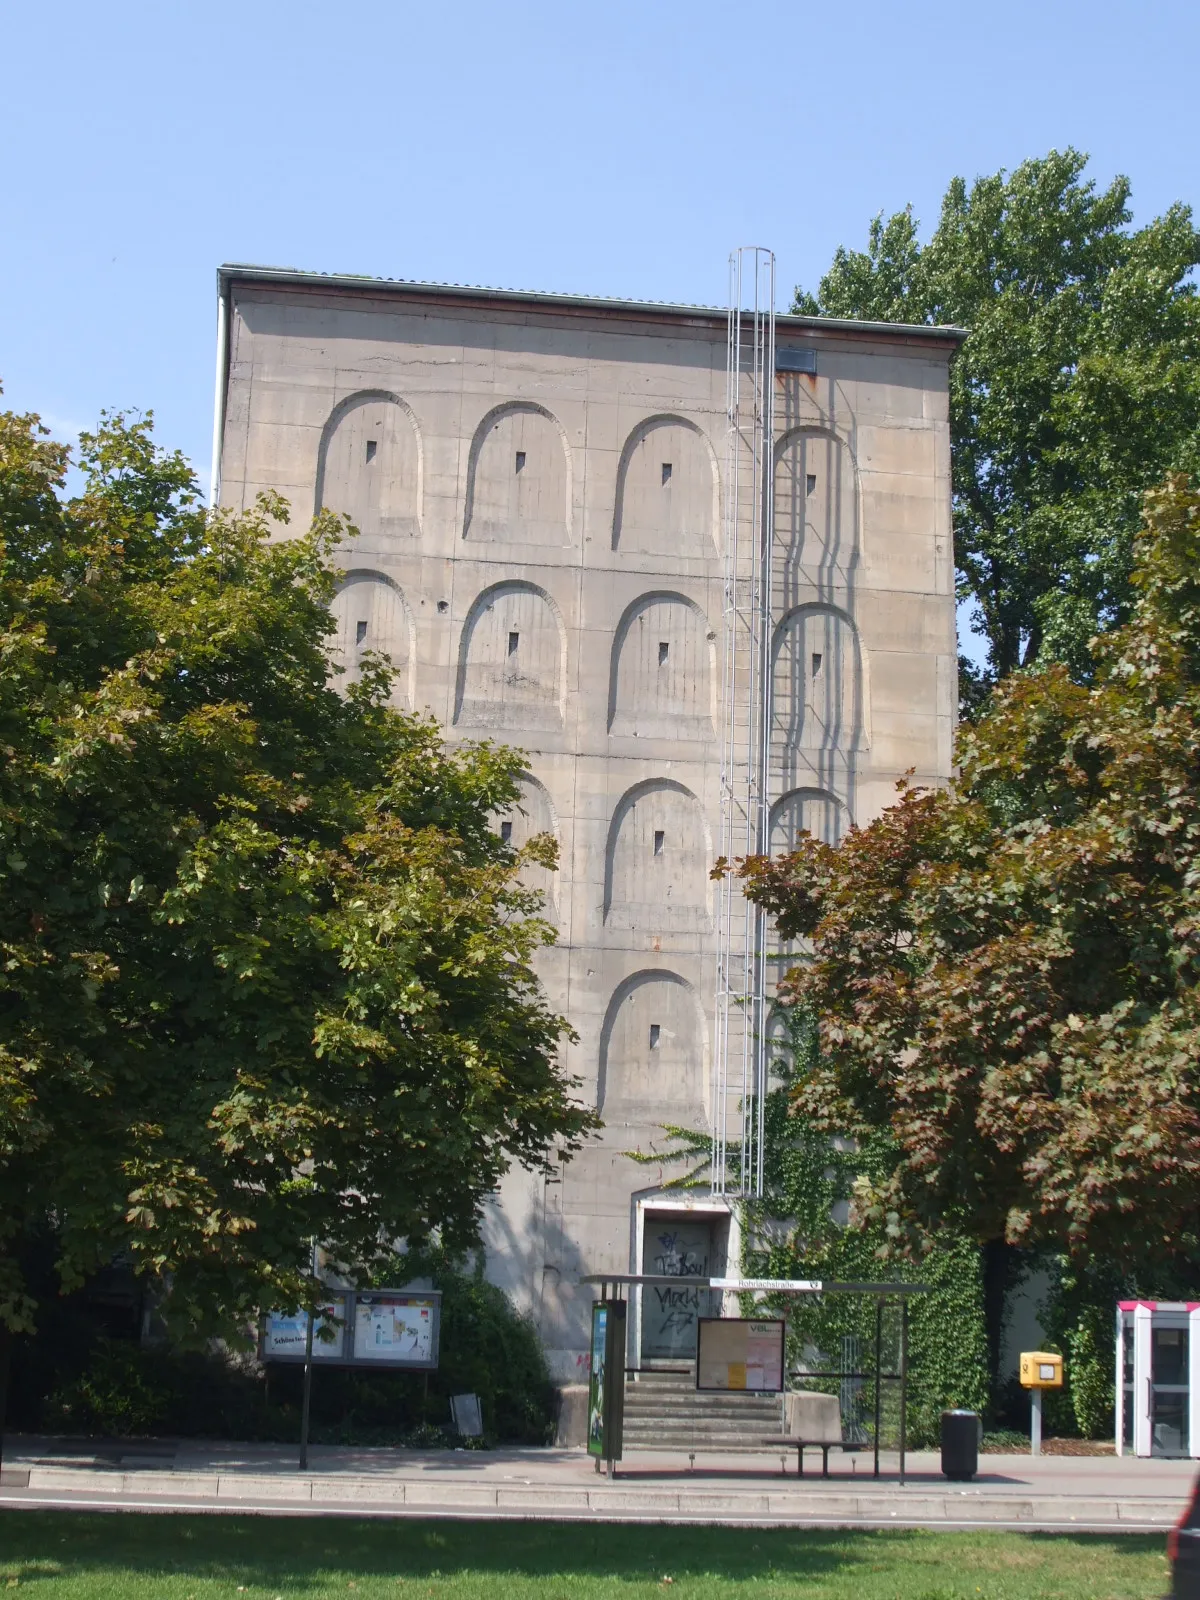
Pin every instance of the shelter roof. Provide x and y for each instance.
(750, 1285)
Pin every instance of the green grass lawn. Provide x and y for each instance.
(68, 1556)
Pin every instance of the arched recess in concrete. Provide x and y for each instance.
(816, 541)
(663, 670)
(668, 490)
(652, 1051)
(370, 465)
(657, 860)
(813, 811)
(817, 687)
(519, 478)
(810, 810)
(533, 813)
(372, 614)
(511, 660)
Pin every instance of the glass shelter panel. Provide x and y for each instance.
(1169, 1391)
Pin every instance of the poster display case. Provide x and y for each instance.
(735, 1353)
(285, 1333)
(396, 1329)
(606, 1383)
(362, 1328)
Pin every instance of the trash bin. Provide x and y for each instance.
(960, 1445)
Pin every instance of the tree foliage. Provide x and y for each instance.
(1077, 388)
(264, 963)
(1005, 971)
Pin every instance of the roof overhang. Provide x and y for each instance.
(233, 273)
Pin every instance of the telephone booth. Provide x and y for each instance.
(1158, 1378)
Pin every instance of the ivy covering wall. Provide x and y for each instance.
(798, 1231)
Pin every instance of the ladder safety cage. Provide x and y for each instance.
(739, 1037)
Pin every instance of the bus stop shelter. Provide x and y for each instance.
(609, 1367)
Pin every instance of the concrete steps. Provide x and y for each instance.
(664, 1411)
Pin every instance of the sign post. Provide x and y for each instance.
(606, 1384)
(306, 1403)
(390, 1328)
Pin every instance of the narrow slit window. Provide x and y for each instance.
(664, 650)
(655, 1033)
(514, 640)
(666, 472)
(360, 632)
(816, 664)
(372, 446)
(506, 832)
(660, 839)
(810, 483)
(520, 461)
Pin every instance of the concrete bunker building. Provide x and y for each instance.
(537, 484)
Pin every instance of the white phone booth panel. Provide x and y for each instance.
(1158, 1378)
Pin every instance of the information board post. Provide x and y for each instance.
(381, 1328)
(606, 1384)
(306, 1403)
(903, 1385)
(878, 1375)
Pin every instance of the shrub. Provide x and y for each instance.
(486, 1349)
(76, 1379)
(1091, 1380)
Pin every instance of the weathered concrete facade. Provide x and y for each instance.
(537, 481)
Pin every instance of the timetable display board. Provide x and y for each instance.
(735, 1353)
(365, 1328)
(396, 1329)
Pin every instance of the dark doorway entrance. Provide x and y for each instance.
(682, 1245)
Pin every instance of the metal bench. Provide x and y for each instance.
(784, 1442)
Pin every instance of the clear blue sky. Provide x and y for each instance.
(618, 149)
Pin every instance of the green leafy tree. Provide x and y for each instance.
(1077, 388)
(1006, 971)
(265, 965)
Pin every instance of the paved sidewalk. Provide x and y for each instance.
(1049, 1493)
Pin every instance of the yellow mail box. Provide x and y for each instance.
(1041, 1369)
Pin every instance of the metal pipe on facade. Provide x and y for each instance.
(214, 482)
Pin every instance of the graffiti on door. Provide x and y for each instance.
(680, 1250)
(679, 1255)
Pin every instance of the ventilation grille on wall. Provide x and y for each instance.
(797, 359)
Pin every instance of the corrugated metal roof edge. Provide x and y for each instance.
(230, 272)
